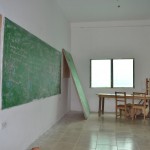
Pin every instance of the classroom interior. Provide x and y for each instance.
(57, 121)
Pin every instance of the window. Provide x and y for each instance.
(112, 73)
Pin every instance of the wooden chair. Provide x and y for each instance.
(121, 105)
(140, 106)
(148, 93)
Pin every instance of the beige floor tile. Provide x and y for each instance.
(106, 147)
(73, 132)
(125, 139)
(144, 148)
(88, 136)
(127, 145)
(83, 148)
(63, 146)
(89, 133)
(107, 141)
(69, 139)
(87, 144)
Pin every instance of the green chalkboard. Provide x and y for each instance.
(31, 68)
(77, 83)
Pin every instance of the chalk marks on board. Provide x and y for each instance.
(31, 68)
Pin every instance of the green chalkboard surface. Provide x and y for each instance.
(31, 68)
(77, 83)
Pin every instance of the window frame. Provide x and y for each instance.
(111, 72)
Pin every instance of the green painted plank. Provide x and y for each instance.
(77, 83)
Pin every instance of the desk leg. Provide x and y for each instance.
(103, 105)
(99, 109)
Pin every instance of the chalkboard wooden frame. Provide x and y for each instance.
(82, 97)
(66, 71)
(1, 53)
(31, 68)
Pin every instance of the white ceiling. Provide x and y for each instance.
(105, 10)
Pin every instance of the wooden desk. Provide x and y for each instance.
(102, 97)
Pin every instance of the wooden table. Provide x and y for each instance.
(102, 97)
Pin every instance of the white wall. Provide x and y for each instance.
(100, 40)
(26, 122)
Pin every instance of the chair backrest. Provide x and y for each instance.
(147, 86)
(136, 95)
(120, 98)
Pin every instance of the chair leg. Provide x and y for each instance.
(120, 113)
(116, 113)
(133, 113)
(125, 113)
(144, 112)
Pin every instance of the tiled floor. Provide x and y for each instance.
(105, 133)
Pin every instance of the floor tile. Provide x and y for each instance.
(73, 132)
(106, 147)
(83, 148)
